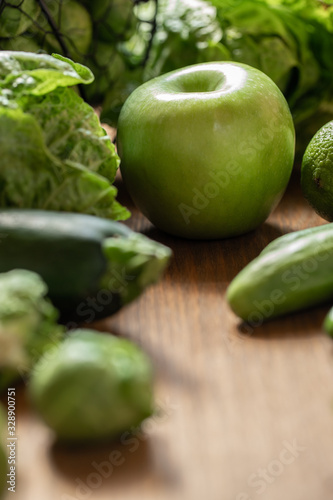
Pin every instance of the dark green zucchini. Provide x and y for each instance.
(293, 272)
(92, 266)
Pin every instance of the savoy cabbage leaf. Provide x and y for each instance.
(54, 154)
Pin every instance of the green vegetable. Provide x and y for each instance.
(17, 16)
(93, 386)
(3, 454)
(328, 322)
(115, 19)
(188, 32)
(74, 24)
(28, 323)
(92, 266)
(53, 152)
(293, 272)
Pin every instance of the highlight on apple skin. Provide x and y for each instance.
(207, 150)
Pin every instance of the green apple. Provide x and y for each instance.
(207, 150)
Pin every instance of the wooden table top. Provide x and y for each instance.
(242, 417)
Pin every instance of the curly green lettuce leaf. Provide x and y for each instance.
(54, 154)
(72, 132)
(27, 73)
(32, 177)
(28, 323)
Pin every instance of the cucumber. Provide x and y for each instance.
(291, 237)
(293, 272)
(92, 266)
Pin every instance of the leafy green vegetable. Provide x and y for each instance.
(24, 73)
(17, 16)
(74, 24)
(28, 324)
(187, 32)
(53, 152)
(115, 19)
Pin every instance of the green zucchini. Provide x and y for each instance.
(293, 272)
(92, 266)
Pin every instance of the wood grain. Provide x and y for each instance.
(241, 415)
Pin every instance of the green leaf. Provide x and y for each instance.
(54, 153)
(185, 30)
(72, 132)
(73, 24)
(32, 177)
(26, 73)
(17, 16)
